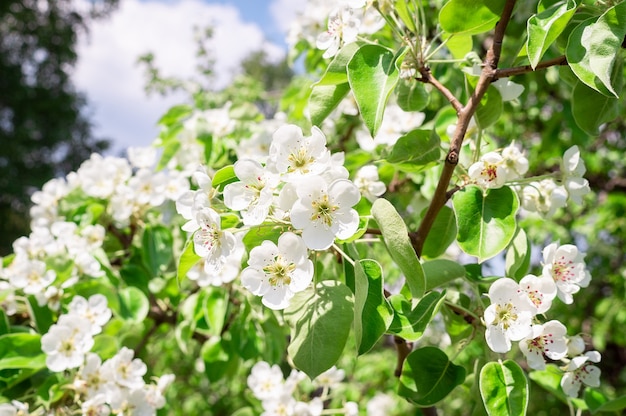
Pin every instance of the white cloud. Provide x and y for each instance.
(107, 69)
(285, 11)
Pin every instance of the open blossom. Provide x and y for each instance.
(67, 342)
(95, 310)
(566, 266)
(125, 370)
(31, 276)
(265, 381)
(254, 194)
(189, 202)
(543, 197)
(343, 26)
(509, 317)
(277, 272)
(515, 163)
(369, 185)
(579, 371)
(541, 291)
(573, 169)
(325, 211)
(547, 340)
(489, 172)
(293, 156)
(211, 242)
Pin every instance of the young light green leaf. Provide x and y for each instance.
(416, 148)
(615, 405)
(187, 260)
(428, 376)
(134, 304)
(397, 240)
(21, 351)
(336, 73)
(320, 321)
(223, 177)
(545, 27)
(517, 260)
(407, 16)
(324, 99)
(486, 221)
(411, 95)
(504, 388)
(373, 74)
(441, 235)
(174, 114)
(441, 271)
(410, 322)
(470, 17)
(372, 312)
(593, 46)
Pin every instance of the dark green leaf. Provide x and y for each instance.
(372, 312)
(416, 148)
(439, 272)
(156, 248)
(409, 322)
(428, 376)
(441, 235)
(545, 27)
(411, 95)
(470, 17)
(134, 305)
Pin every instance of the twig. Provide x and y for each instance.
(465, 115)
(509, 72)
(427, 77)
(404, 349)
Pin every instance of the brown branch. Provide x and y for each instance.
(404, 349)
(465, 115)
(427, 77)
(509, 72)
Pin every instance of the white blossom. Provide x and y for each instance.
(508, 89)
(573, 169)
(66, 343)
(509, 316)
(265, 381)
(124, 370)
(543, 197)
(368, 182)
(343, 28)
(489, 172)
(211, 242)
(580, 371)
(541, 291)
(94, 310)
(515, 163)
(277, 272)
(324, 211)
(293, 156)
(565, 265)
(547, 340)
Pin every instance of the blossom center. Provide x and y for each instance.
(490, 171)
(562, 270)
(279, 272)
(323, 210)
(505, 315)
(299, 161)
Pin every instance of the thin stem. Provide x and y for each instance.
(428, 78)
(509, 72)
(343, 254)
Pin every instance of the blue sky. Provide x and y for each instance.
(113, 83)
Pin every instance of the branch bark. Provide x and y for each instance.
(509, 72)
(465, 114)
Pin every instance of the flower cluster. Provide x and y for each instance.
(301, 186)
(547, 195)
(494, 169)
(280, 396)
(514, 309)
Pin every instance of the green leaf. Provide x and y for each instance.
(372, 74)
(5, 327)
(616, 405)
(490, 108)
(214, 308)
(320, 321)
(187, 260)
(337, 72)
(470, 17)
(593, 46)
(517, 261)
(441, 271)
(545, 27)
(486, 222)
(174, 114)
(504, 388)
(550, 380)
(156, 248)
(416, 148)
(372, 312)
(397, 240)
(411, 95)
(592, 109)
(406, 15)
(428, 376)
(410, 322)
(134, 305)
(42, 315)
(21, 351)
(441, 235)
(324, 99)
(223, 177)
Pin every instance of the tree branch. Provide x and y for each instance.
(465, 115)
(427, 77)
(509, 72)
